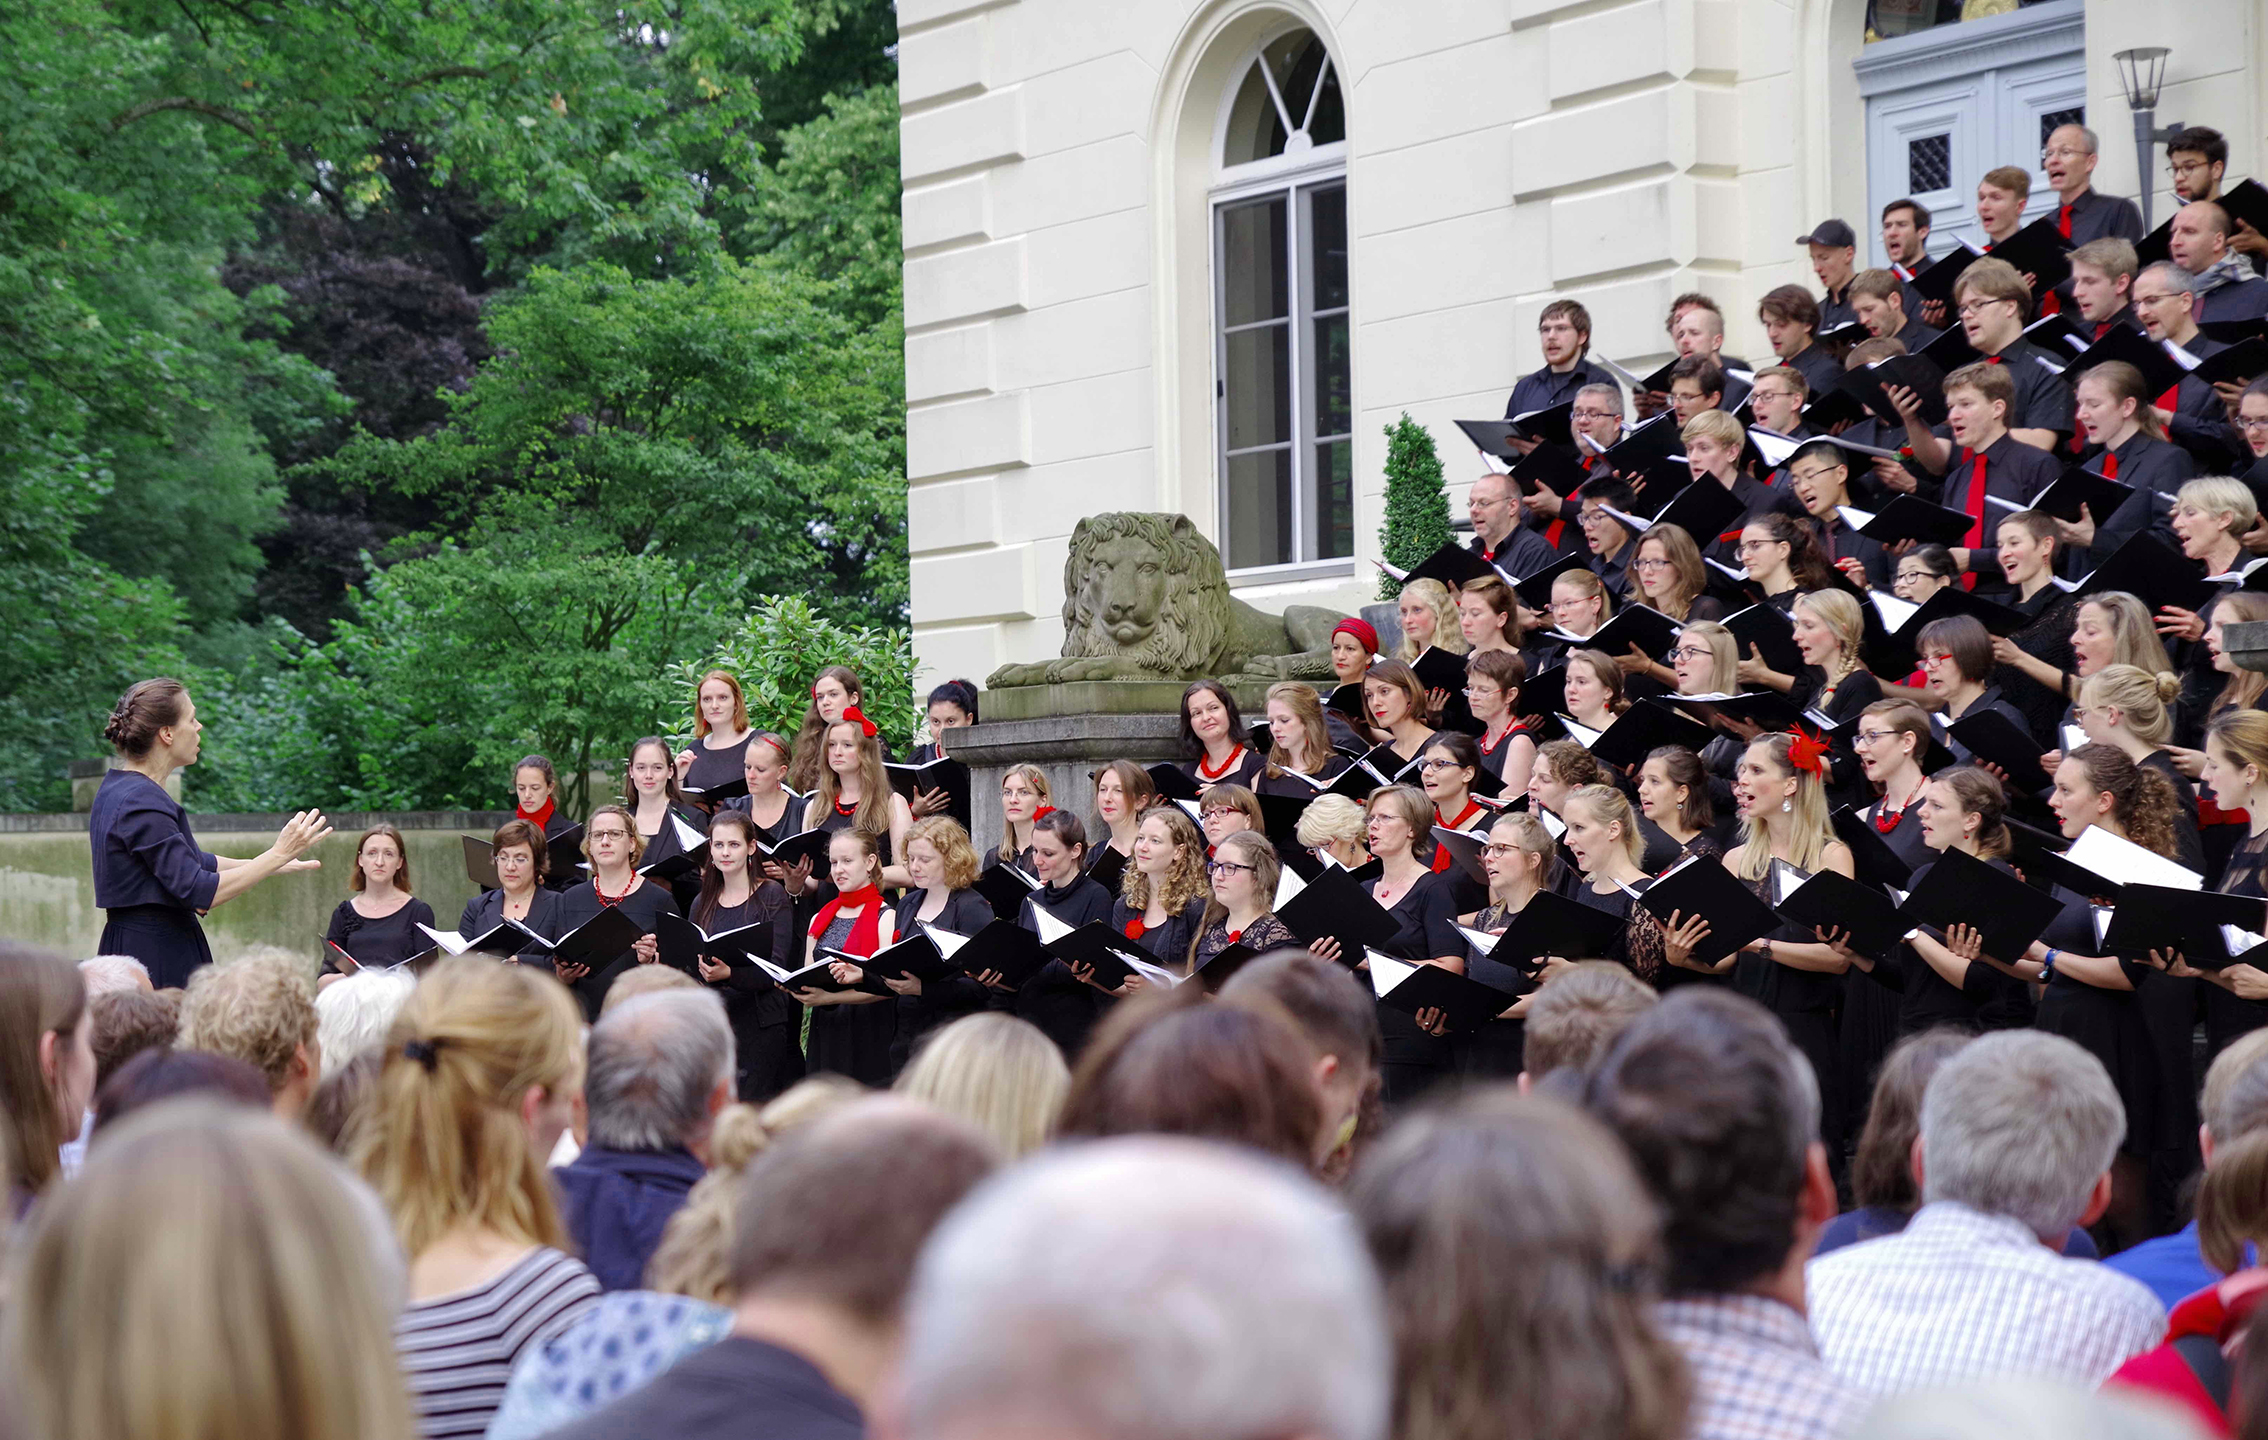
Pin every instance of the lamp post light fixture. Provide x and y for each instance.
(2142, 74)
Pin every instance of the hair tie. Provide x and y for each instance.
(424, 1052)
(1804, 752)
(865, 726)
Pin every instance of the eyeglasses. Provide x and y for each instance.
(1691, 652)
(607, 834)
(2254, 422)
(1595, 415)
(1873, 737)
(1215, 867)
(1500, 850)
(2190, 167)
(1433, 764)
(1657, 562)
(1975, 307)
(1929, 660)
(1747, 546)
(2153, 299)
(1812, 477)
(2061, 152)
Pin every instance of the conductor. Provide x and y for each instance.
(149, 873)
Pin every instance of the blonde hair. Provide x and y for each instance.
(2142, 695)
(1446, 635)
(629, 823)
(1000, 1073)
(645, 980)
(1717, 425)
(954, 848)
(2220, 495)
(808, 1100)
(258, 1009)
(1809, 832)
(443, 1143)
(1329, 819)
(1035, 777)
(1839, 611)
(2244, 686)
(1529, 834)
(873, 812)
(2134, 635)
(1413, 808)
(1724, 653)
(1587, 584)
(1609, 807)
(1185, 880)
(1307, 708)
(259, 1308)
(695, 1254)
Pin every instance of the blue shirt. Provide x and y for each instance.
(2171, 1265)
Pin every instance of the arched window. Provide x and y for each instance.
(1283, 376)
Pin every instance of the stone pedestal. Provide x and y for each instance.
(86, 779)
(2246, 644)
(1067, 747)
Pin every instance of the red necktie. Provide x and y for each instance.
(1975, 538)
(2110, 464)
(2104, 328)
(2170, 399)
(2053, 305)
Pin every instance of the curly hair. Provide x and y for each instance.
(1185, 880)
(1192, 628)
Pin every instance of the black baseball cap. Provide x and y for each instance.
(1831, 233)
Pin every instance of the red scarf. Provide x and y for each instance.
(537, 818)
(1442, 859)
(866, 929)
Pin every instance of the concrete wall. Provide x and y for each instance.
(47, 885)
(1500, 153)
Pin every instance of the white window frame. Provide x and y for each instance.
(1294, 175)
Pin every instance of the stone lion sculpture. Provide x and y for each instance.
(1145, 598)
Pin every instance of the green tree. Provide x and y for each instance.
(1417, 508)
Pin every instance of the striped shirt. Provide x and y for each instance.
(457, 1350)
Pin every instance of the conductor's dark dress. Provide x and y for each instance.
(151, 877)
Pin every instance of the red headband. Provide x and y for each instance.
(1805, 752)
(866, 726)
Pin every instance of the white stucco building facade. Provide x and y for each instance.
(1158, 257)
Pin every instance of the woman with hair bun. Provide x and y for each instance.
(2125, 707)
(150, 875)
(952, 706)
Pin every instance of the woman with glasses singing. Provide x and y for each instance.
(1783, 558)
(1922, 572)
(1446, 773)
(1399, 822)
(1522, 860)
(1580, 604)
(1668, 576)
(1243, 872)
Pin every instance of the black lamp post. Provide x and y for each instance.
(2142, 74)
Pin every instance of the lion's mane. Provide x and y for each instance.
(1193, 618)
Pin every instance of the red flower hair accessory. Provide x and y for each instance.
(865, 726)
(1043, 812)
(1805, 753)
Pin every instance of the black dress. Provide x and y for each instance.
(151, 877)
(852, 1040)
(1245, 769)
(1809, 1004)
(666, 843)
(1425, 922)
(375, 944)
(711, 768)
(766, 1021)
(1492, 757)
(939, 1005)
(1060, 1003)
(1986, 999)
(789, 823)
(1496, 1048)
(646, 905)
(1169, 942)
(485, 911)
(2107, 1024)
(2230, 1017)
(1262, 935)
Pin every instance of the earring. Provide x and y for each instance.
(1787, 807)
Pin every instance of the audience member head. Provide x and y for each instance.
(1882, 1168)
(1233, 1302)
(1573, 1020)
(646, 980)
(483, 1072)
(1521, 1258)
(2232, 1204)
(1001, 1074)
(107, 973)
(660, 1067)
(1721, 1113)
(832, 1218)
(124, 1023)
(342, 1100)
(1176, 1065)
(2023, 1124)
(214, 1274)
(47, 1061)
(1339, 1018)
(354, 1012)
(2033, 1408)
(162, 1074)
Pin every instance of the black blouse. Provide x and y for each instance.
(1245, 771)
(375, 944)
(1425, 919)
(578, 903)
(1060, 1003)
(1169, 942)
(485, 911)
(714, 767)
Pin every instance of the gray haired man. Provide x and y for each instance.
(660, 1068)
(2018, 1131)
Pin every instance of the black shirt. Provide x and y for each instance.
(578, 903)
(1425, 919)
(714, 767)
(1542, 389)
(388, 940)
(2043, 399)
(2156, 469)
(738, 1386)
(2201, 423)
(1819, 369)
(2014, 471)
(1055, 1000)
(485, 911)
(1522, 553)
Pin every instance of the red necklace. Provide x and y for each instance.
(1235, 757)
(846, 810)
(606, 899)
(1886, 819)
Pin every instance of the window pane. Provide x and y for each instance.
(1252, 123)
(1254, 283)
(1327, 246)
(1334, 501)
(1334, 404)
(1929, 164)
(1330, 123)
(1259, 509)
(1259, 386)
